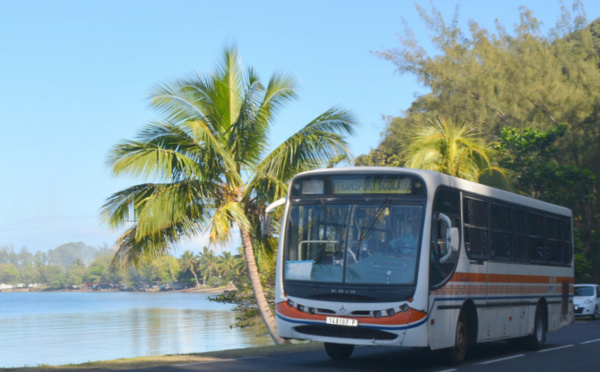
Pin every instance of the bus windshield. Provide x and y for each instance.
(353, 243)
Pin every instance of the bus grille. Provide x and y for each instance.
(345, 332)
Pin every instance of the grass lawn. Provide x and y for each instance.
(162, 360)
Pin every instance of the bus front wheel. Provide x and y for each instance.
(338, 351)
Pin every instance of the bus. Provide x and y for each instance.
(414, 258)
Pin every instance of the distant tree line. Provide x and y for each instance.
(75, 264)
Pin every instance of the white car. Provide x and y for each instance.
(586, 300)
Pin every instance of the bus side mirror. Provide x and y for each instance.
(452, 238)
(267, 222)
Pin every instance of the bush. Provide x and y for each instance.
(215, 281)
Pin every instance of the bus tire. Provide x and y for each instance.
(536, 340)
(457, 354)
(338, 351)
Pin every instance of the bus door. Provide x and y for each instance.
(443, 260)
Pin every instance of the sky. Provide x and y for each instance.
(75, 77)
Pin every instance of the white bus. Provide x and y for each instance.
(405, 257)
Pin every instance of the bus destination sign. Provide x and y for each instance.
(372, 186)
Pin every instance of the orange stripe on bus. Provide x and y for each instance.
(409, 316)
(509, 278)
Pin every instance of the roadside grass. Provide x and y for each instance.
(174, 359)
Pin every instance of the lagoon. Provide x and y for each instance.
(57, 328)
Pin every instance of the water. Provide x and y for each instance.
(75, 327)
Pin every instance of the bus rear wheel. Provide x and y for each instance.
(456, 355)
(536, 340)
(338, 351)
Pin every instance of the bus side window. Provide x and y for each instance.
(446, 202)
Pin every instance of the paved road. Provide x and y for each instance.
(573, 348)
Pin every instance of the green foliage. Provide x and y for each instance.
(53, 276)
(30, 269)
(532, 155)
(583, 264)
(450, 148)
(189, 264)
(494, 80)
(531, 89)
(65, 255)
(9, 273)
(215, 282)
(209, 148)
(243, 298)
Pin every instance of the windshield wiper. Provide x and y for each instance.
(378, 212)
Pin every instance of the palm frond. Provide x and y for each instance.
(223, 218)
(184, 99)
(154, 207)
(129, 249)
(309, 148)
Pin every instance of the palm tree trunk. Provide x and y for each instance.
(171, 270)
(196, 277)
(259, 295)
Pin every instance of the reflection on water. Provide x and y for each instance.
(62, 328)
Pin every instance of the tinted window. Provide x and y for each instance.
(476, 234)
(501, 217)
(447, 202)
(475, 212)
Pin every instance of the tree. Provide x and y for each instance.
(521, 80)
(66, 254)
(497, 79)
(53, 276)
(29, 274)
(208, 153)
(446, 147)
(9, 274)
(162, 269)
(209, 266)
(76, 272)
(227, 265)
(188, 262)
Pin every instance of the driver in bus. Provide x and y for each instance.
(407, 243)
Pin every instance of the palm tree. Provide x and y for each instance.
(208, 265)
(190, 263)
(451, 148)
(208, 153)
(226, 264)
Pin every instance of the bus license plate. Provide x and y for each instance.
(342, 321)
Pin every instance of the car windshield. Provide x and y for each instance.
(361, 243)
(584, 291)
